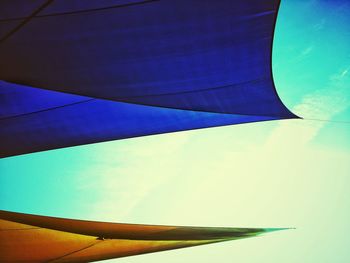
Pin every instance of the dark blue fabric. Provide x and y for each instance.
(11, 9)
(59, 120)
(135, 68)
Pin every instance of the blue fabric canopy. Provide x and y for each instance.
(77, 72)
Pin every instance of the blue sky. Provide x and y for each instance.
(290, 173)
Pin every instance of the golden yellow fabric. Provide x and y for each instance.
(33, 238)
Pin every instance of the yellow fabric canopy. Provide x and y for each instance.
(33, 238)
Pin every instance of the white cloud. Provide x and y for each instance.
(125, 172)
(322, 104)
(320, 25)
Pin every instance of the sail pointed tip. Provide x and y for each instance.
(268, 230)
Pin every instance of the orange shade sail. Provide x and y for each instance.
(33, 238)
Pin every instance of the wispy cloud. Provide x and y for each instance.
(125, 172)
(322, 104)
(304, 53)
(344, 73)
(320, 25)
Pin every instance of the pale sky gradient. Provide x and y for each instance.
(290, 173)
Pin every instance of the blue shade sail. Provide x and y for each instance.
(78, 72)
(56, 120)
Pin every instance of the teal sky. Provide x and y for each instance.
(290, 173)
